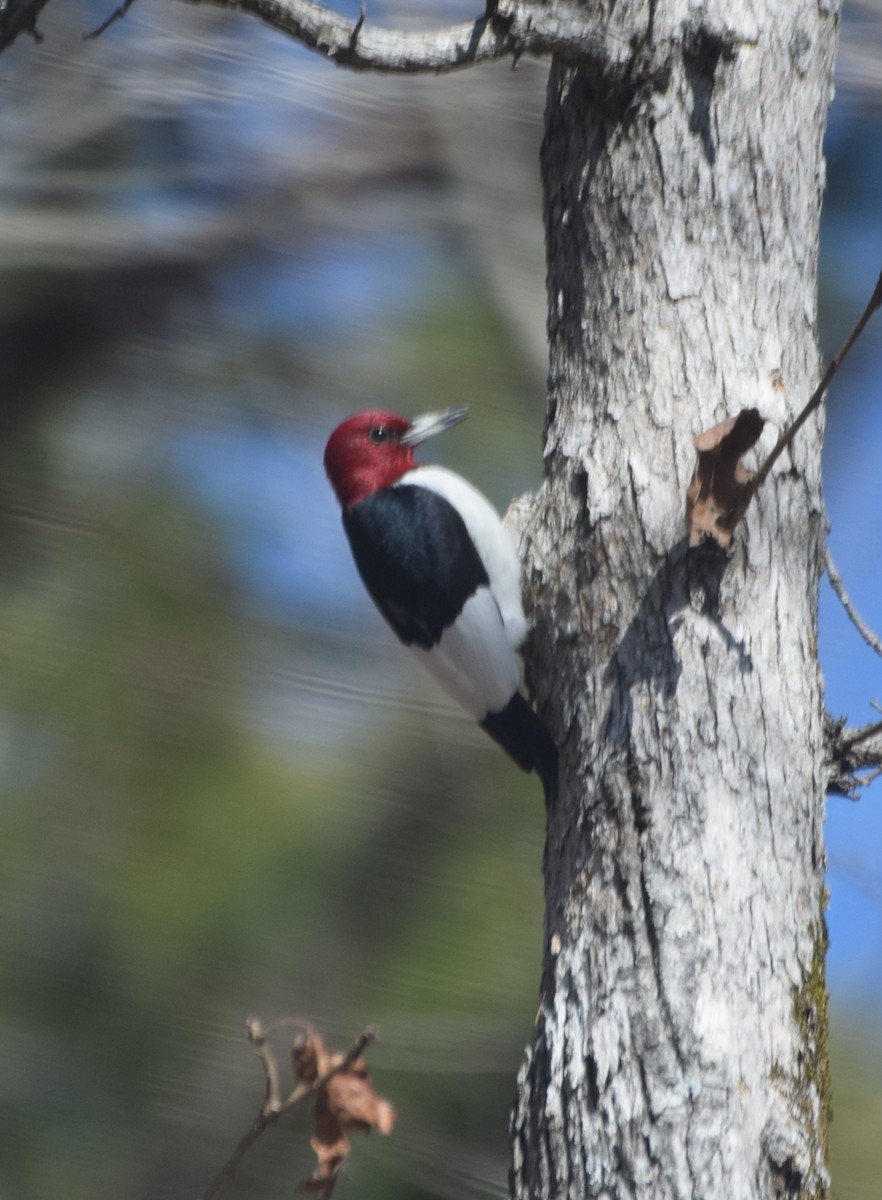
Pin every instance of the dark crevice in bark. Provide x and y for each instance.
(640, 810)
(592, 1082)
(705, 567)
(654, 942)
(533, 1139)
(787, 1180)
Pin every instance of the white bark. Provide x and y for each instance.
(680, 1046)
(505, 29)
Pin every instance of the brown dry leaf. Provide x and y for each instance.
(355, 1104)
(346, 1102)
(720, 478)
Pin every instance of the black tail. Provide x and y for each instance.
(522, 735)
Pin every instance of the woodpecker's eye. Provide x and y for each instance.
(380, 434)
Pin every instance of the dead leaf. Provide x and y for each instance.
(720, 478)
(355, 1104)
(347, 1101)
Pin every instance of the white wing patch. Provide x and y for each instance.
(492, 541)
(475, 661)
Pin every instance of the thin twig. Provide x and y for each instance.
(228, 1171)
(258, 1036)
(302, 1090)
(357, 27)
(273, 1106)
(854, 756)
(871, 638)
(738, 511)
(862, 735)
(835, 363)
(853, 788)
(115, 16)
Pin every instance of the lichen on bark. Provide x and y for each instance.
(807, 1089)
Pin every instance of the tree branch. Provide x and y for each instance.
(871, 638)
(738, 510)
(274, 1105)
(116, 15)
(854, 757)
(509, 28)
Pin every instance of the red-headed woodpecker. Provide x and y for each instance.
(442, 569)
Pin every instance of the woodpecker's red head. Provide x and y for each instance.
(372, 450)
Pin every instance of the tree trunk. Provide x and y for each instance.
(680, 1048)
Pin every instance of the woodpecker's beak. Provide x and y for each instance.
(429, 424)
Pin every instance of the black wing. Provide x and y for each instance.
(416, 559)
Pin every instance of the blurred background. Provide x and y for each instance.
(223, 789)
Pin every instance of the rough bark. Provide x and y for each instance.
(506, 29)
(680, 1046)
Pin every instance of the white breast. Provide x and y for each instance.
(492, 541)
(474, 661)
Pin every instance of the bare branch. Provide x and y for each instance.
(274, 1106)
(508, 28)
(257, 1034)
(302, 1090)
(854, 757)
(835, 363)
(871, 638)
(116, 15)
(738, 510)
(860, 736)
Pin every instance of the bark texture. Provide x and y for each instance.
(506, 29)
(680, 1046)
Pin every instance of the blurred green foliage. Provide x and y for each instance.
(201, 818)
(855, 1142)
(167, 868)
